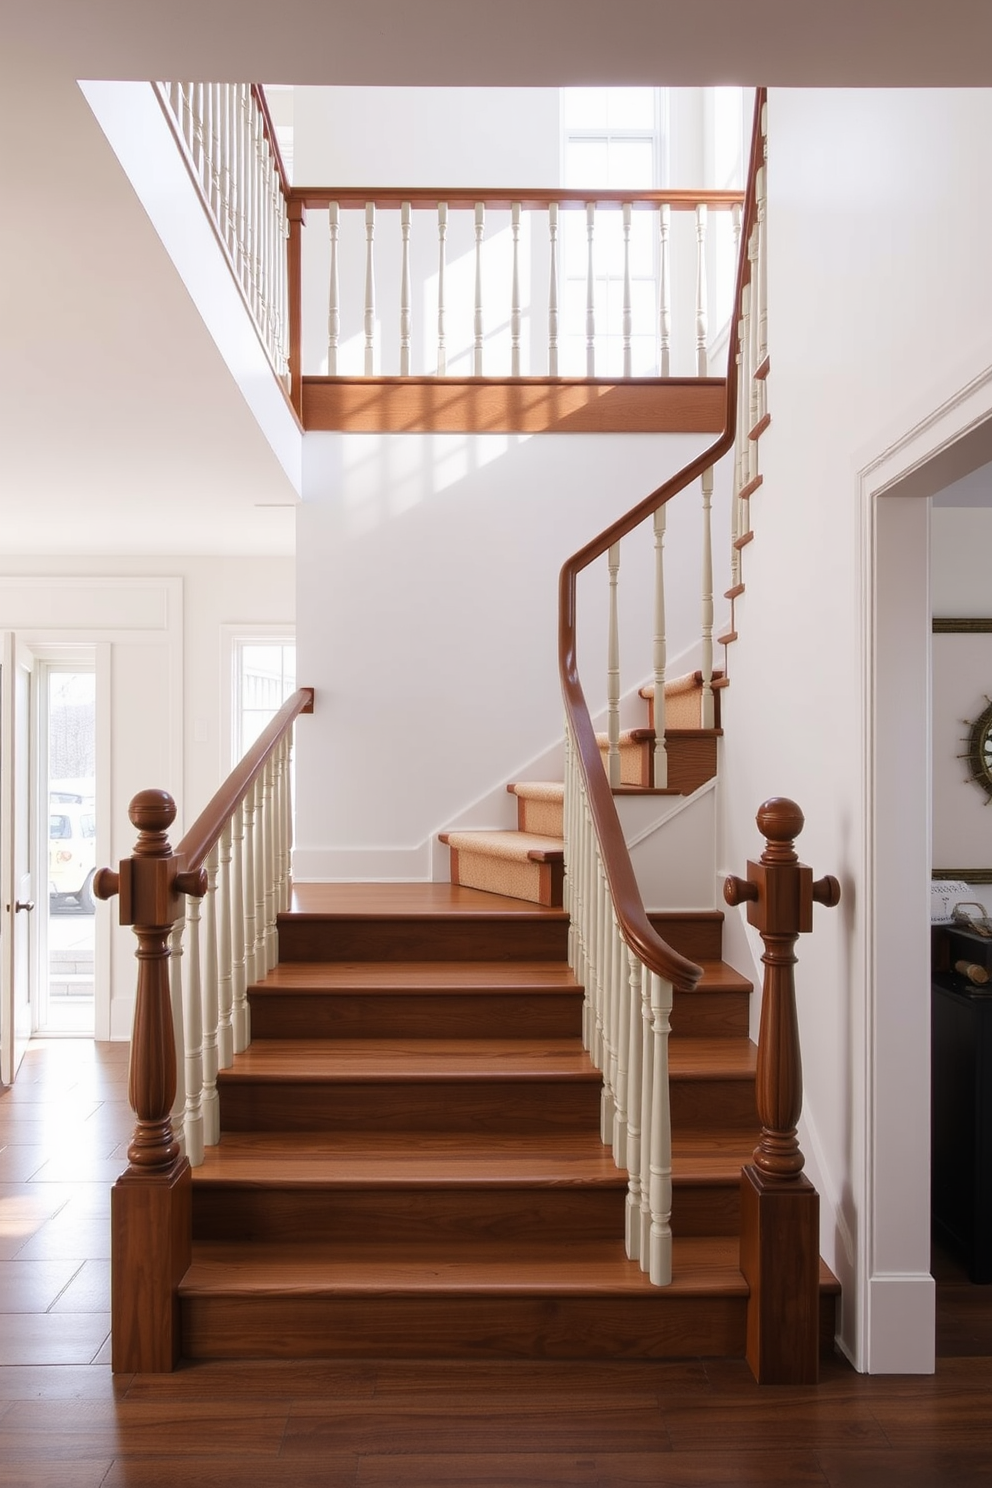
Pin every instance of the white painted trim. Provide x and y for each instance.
(891, 1324)
(679, 804)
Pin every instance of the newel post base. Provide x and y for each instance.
(151, 1224)
(780, 1259)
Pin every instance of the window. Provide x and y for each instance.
(611, 137)
(264, 677)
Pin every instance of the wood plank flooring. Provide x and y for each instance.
(66, 1422)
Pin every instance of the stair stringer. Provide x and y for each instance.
(672, 845)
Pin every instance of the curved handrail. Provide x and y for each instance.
(635, 927)
(206, 830)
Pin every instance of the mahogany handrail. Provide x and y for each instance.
(502, 198)
(206, 830)
(635, 927)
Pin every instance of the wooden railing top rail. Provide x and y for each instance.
(258, 94)
(531, 198)
(635, 927)
(210, 823)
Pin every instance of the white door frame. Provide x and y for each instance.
(894, 1328)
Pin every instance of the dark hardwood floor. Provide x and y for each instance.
(66, 1422)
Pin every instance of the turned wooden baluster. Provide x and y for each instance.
(779, 1206)
(150, 1203)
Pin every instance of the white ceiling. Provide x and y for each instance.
(120, 428)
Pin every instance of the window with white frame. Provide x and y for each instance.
(615, 138)
(264, 676)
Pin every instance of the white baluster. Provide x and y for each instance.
(739, 444)
(627, 362)
(553, 291)
(261, 827)
(442, 233)
(196, 114)
(271, 865)
(216, 190)
(333, 293)
(242, 899)
(660, 1258)
(635, 1056)
(242, 186)
(281, 848)
(175, 100)
(745, 387)
(605, 961)
(257, 214)
(515, 292)
(621, 1043)
(702, 330)
(369, 289)
(193, 1017)
(480, 222)
(288, 808)
(613, 670)
(230, 912)
(647, 1120)
(405, 290)
(211, 1017)
(706, 662)
(226, 157)
(762, 203)
(590, 290)
(664, 291)
(178, 1026)
(754, 385)
(660, 650)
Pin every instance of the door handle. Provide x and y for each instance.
(24, 904)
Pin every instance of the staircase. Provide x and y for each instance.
(410, 1162)
(528, 863)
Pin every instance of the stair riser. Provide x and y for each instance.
(459, 1106)
(706, 1209)
(546, 818)
(463, 1327)
(434, 939)
(710, 1015)
(538, 883)
(414, 1015)
(698, 1104)
(698, 936)
(408, 1215)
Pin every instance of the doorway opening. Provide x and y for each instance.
(67, 766)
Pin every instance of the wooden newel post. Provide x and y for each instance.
(780, 1241)
(151, 1214)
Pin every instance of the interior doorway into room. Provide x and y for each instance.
(67, 786)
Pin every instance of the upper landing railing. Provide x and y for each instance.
(451, 282)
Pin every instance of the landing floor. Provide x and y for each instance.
(65, 1422)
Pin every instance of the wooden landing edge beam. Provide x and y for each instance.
(528, 405)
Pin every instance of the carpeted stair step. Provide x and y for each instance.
(520, 865)
(540, 806)
(683, 701)
(692, 757)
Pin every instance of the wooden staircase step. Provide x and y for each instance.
(417, 922)
(441, 999)
(683, 700)
(560, 1299)
(692, 756)
(421, 1186)
(718, 1007)
(696, 933)
(410, 1084)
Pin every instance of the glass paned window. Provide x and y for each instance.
(264, 677)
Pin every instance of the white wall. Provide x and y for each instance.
(427, 605)
(158, 628)
(869, 271)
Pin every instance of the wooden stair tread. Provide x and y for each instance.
(410, 901)
(514, 846)
(531, 977)
(348, 1061)
(701, 1265)
(412, 1160)
(710, 1156)
(719, 977)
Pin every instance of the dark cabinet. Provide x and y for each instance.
(961, 1084)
